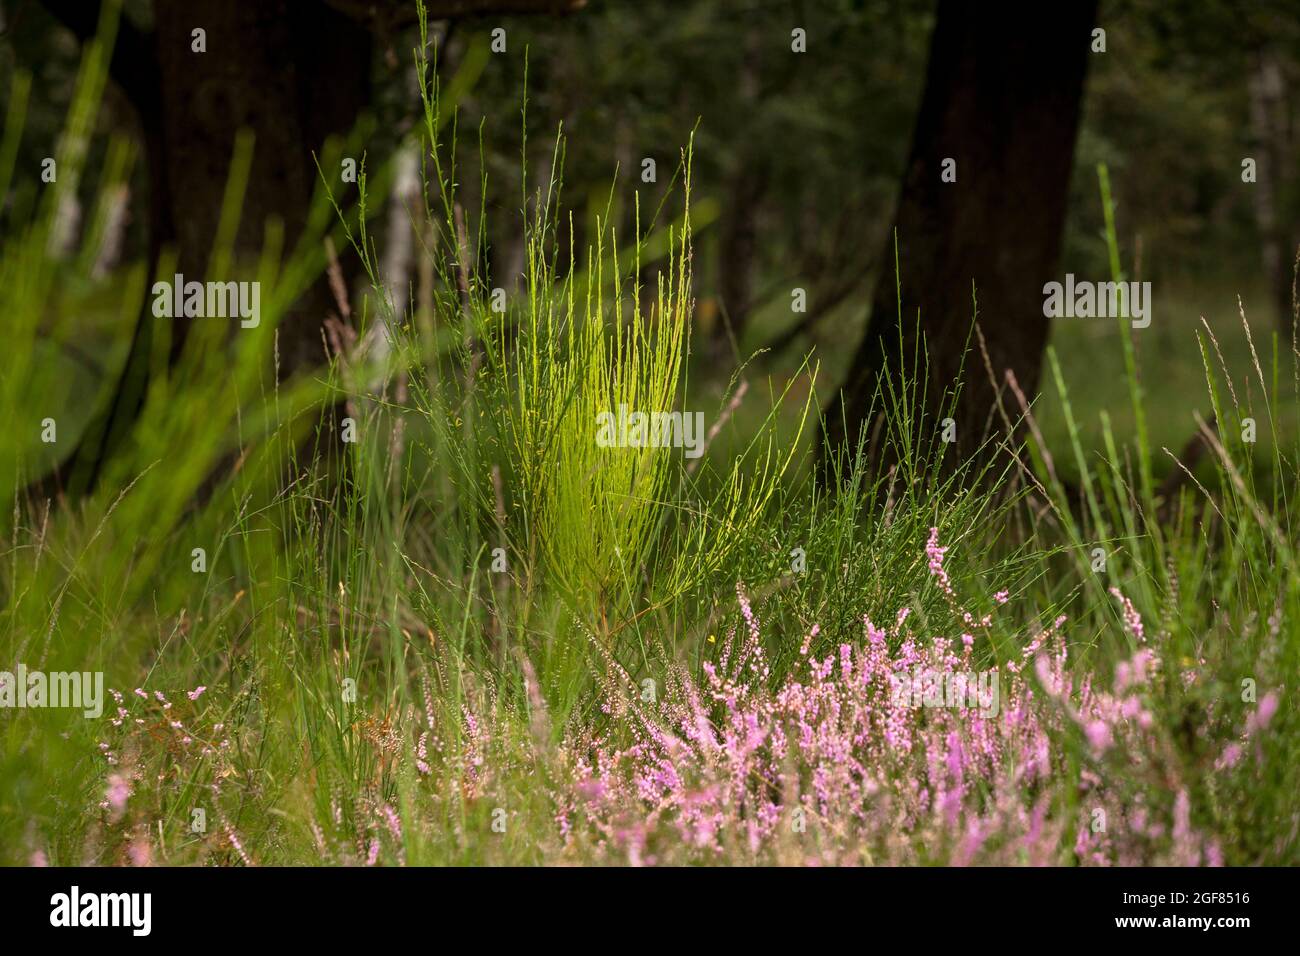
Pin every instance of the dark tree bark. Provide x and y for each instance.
(293, 72)
(1002, 97)
(739, 247)
(739, 241)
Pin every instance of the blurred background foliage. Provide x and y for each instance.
(802, 157)
(795, 166)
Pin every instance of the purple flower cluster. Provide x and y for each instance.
(829, 765)
(829, 768)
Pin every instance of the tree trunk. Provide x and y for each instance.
(740, 248)
(1268, 128)
(293, 72)
(1002, 98)
(740, 225)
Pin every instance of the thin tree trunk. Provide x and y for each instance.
(740, 227)
(1267, 102)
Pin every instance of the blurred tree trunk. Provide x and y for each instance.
(740, 225)
(293, 72)
(1002, 97)
(739, 247)
(1268, 128)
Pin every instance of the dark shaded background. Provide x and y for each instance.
(806, 158)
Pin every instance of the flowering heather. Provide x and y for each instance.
(826, 768)
(161, 763)
(828, 765)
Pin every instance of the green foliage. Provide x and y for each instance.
(476, 430)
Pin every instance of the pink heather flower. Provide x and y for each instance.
(428, 701)
(1229, 758)
(1267, 708)
(394, 823)
(1002, 596)
(590, 790)
(139, 692)
(1132, 620)
(196, 693)
(237, 844)
(935, 554)
(1263, 713)
(807, 641)
(1098, 734)
(874, 634)
(751, 621)
(141, 852)
(116, 795)
(38, 858)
